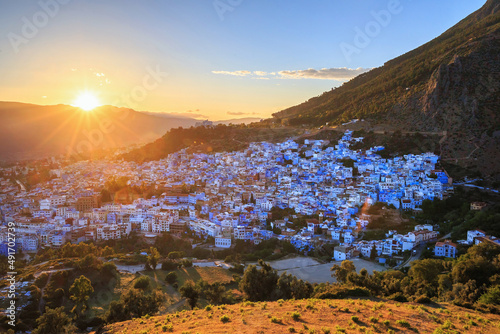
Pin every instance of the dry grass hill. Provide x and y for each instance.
(316, 316)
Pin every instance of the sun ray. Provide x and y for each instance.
(86, 101)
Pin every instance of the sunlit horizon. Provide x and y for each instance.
(86, 101)
(173, 57)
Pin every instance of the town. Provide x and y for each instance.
(230, 196)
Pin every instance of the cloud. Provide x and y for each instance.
(339, 73)
(236, 73)
(342, 73)
(237, 113)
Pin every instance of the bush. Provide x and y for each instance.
(354, 318)
(330, 291)
(168, 265)
(423, 300)
(171, 278)
(168, 328)
(399, 297)
(186, 263)
(175, 255)
(492, 296)
(238, 268)
(275, 320)
(373, 319)
(403, 323)
(224, 318)
(296, 316)
(142, 283)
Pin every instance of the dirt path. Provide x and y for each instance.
(175, 306)
(42, 302)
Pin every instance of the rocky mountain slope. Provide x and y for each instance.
(450, 84)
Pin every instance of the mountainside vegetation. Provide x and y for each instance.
(451, 84)
(207, 139)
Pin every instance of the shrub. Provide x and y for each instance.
(399, 297)
(208, 308)
(339, 292)
(275, 320)
(224, 318)
(386, 323)
(167, 328)
(171, 278)
(169, 265)
(142, 283)
(187, 263)
(423, 300)
(325, 330)
(403, 323)
(354, 318)
(296, 316)
(373, 319)
(291, 329)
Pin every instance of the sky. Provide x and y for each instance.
(211, 59)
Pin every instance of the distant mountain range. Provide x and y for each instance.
(29, 131)
(449, 85)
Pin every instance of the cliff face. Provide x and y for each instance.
(462, 97)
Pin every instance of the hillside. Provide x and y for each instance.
(34, 131)
(317, 316)
(207, 139)
(448, 84)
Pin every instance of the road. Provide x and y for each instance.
(414, 256)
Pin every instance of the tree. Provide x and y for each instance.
(341, 272)
(153, 257)
(426, 270)
(214, 293)
(290, 287)
(259, 284)
(169, 265)
(134, 303)
(492, 296)
(54, 321)
(80, 292)
(109, 270)
(175, 255)
(189, 291)
(373, 253)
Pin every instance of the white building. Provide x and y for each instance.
(471, 235)
(341, 253)
(223, 242)
(445, 249)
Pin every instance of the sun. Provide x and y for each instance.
(86, 101)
